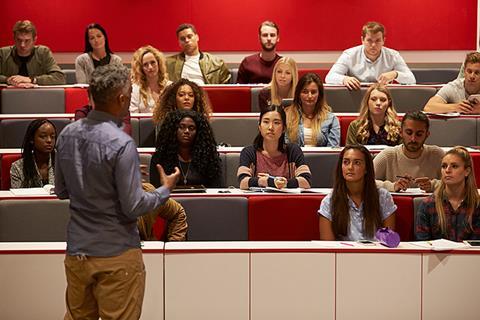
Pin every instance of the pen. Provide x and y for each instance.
(404, 177)
(347, 244)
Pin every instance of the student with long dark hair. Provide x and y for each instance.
(97, 53)
(453, 210)
(185, 140)
(36, 167)
(355, 208)
(270, 161)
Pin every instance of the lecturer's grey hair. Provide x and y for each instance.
(107, 81)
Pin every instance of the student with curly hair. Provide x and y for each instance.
(310, 120)
(453, 210)
(97, 53)
(270, 162)
(185, 140)
(37, 166)
(149, 79)
(377, 122)
(355, 208)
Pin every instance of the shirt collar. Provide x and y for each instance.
(364, 56)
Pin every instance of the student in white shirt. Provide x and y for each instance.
(370, 62)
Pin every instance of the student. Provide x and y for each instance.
(370, 62)
(182, 94)
(310, 119)
(149, 79)
(25, 64)
(37, 165)
(193, 64)
(97, 53)
(453, 211)
(282, 86)
(257, 68)
(377, 122)
(185, 140)
(412, 163)
(270, 161)
(355, 208)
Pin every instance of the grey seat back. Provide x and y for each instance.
(145, 160)
(33, 220)
(453, 132)
(38, 100)
(146, 132)
(340, 99)
(12, 131)
(216, 219)
(437, 75)
(255, 92)
(234, 73)
(237, 132)
(411, 98)
(70, 76)
(232, 161)
(134, 122)
(322, 166)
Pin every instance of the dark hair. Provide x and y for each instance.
(28, 149)
(268, 23)
(168, 100)
(24, 26)
(205, 157)
(88, 46)
(416, 116)
(184, 26)
(258, 142)
(372, 218)
(305, 80)
(472, 57)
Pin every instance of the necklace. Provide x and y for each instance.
(185, 175)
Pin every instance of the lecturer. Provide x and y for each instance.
(98, 169)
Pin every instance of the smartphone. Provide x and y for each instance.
(366, 242)
(473, 243)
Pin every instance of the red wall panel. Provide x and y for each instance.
(232, 25)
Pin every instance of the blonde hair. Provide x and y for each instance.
(472, 198)
(275, 99)
(392, 125)
(138, 76)
(294, 112)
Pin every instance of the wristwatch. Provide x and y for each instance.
(34, 80)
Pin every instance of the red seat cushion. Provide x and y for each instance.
(404, 217)
(7, 160)
(344, 123)
(229, 99)
(75, 98)
(295, 218)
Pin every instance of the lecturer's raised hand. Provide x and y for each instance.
(168, 181)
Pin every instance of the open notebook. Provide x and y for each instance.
(46, 190)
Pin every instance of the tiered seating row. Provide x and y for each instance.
(225, 98)
(238, 130)
(211, 217)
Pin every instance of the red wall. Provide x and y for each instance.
(232, 25)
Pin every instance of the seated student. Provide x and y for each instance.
(37, 166)
(193, 64)
(186, 140)
(270, 161)
(149, 79)
(172, 212)
(25, 64)
(370, 62)
(454, 96)
(182, 94)
(453, 211)
(97, 53)
(257, 68)
(356, 208)
(377, 122)
(413, 163)
(310, 120)
(282, 86)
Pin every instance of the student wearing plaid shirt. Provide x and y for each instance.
(453, 211)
